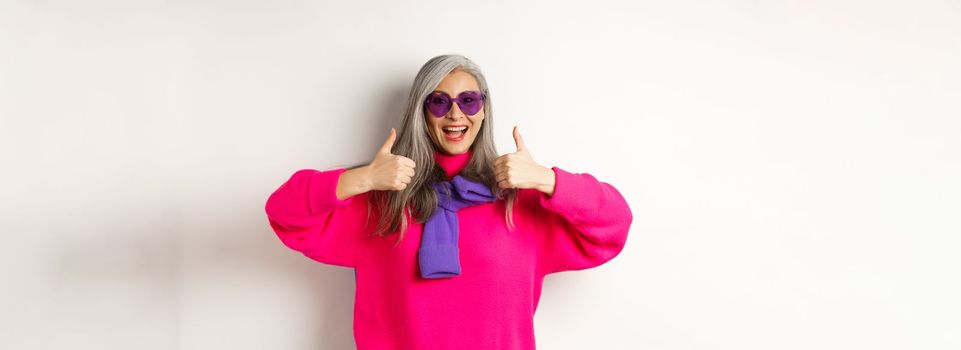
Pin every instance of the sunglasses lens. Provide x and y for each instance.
(438, 104)
(470, 102)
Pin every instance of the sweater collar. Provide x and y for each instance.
(452, 164)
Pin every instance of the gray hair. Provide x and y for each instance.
(414, 142)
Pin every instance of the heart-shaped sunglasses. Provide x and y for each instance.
(439, 103)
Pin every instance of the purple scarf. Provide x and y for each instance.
(438, 253)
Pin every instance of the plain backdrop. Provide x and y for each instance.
(792, 166)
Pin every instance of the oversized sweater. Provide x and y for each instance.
(491, 304)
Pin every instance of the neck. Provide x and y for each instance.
(452, 163)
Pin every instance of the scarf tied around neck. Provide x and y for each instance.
(438, 255)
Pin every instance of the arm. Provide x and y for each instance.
(584, 222)
(315, 213)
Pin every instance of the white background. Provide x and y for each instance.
(792, 166)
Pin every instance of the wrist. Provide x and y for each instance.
(362, 179)
(547, 184)
(353, 182)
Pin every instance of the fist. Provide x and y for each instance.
(519, 170)
(390, 172)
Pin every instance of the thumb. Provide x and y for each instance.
(518, 140)
(389, 143)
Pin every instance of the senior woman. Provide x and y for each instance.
(449, 241)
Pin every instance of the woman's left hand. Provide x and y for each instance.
(519, 170)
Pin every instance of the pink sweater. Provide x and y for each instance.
(491, 304)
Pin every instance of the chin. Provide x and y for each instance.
(455, 150)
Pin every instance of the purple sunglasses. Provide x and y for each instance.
(439, 102)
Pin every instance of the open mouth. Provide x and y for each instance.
(455, 133)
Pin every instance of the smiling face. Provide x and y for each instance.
(456, 142)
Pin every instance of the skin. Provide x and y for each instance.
(456, 82)
(390, 172)
(519, 170)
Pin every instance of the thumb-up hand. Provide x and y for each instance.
(390, 172)
(519, 170)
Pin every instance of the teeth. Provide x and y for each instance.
(462, 128)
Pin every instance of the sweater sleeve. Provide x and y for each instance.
(307, 216)
(584, 223)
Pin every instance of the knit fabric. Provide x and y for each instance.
(438, 254)
(491, 305)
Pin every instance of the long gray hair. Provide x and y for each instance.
(414, 142)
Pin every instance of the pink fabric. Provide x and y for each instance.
(491, 305)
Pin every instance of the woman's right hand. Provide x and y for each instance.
(389, 172)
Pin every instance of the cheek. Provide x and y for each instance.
(477, 122)
(479, 117)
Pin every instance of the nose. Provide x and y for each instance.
(455, 112)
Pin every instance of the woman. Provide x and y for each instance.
(481, 230)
